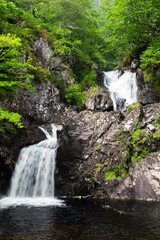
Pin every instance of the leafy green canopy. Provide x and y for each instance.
(132, 24)
(13, 73)
(74, 28)
(74, 32)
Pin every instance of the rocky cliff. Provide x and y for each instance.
(101, 153)
(109, 154)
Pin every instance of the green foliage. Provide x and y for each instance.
(98, 148)
(136, 135)
(75, 95)
(118, 173)
(151, 63)
(131, 26)
(157, 121)
(99, 167)
(109, 175)
(151, 57)
(13, 73)
(140, 145)
(132, 107)
(10, 117)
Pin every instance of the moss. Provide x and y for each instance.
(150, 76)
(93, 91)
(156, 135)
(132, 107)
(136, 135)
(92, 179)
(137, 123)
(98, 148)
(157, 121)
(122, 137)
(117, 173)
(109, 175)
(99, 167)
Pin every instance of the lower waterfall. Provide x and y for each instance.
(32, 182)
(123, 88)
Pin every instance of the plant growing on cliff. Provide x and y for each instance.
(75, 94)
(10, 117)
(13, 72)
(132, 107)
(118, 173)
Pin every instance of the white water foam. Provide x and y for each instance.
(122, 87)
(33, 179)
(7, 202)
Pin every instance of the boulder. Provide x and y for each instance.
(142, 181)
(135, 64)
(98, 99)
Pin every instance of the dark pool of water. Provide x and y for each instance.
(83, 219)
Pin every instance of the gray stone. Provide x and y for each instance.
(53, 64)
(98, 99)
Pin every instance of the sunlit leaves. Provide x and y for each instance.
(13, 70)
(11, 117)
(132, 22)
(13, 73)
(151, 57)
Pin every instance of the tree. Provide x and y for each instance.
(13, 72)
(132, 24)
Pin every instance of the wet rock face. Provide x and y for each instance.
(135, 64)
(98, 99)
(100, 78)
(95, 146)
(43, 105)
(146, 93)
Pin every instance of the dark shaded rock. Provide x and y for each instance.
(100, 78)
(43, 105)
(98, 99)
(146, 93)
(139, 75)
(135, 64)
(120, 103)
(120, 71)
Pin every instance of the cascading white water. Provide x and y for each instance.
(33, 179)
(122, 87)
(34, 172)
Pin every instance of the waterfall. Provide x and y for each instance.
(123, 87)
(33, 179)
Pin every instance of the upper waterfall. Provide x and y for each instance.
(123, 87)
